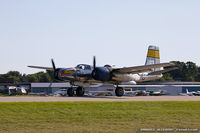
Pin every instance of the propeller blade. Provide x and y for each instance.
(94, 62)
(53, 64)
(55, 71)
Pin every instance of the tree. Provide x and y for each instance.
(32, 78)
(178, 74)
(186, 71)
(167, 77)
(24, 78)
(15, 75)
(191, 71)
(197, 78)
(43, 77)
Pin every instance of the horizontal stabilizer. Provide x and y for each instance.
(39, 67)
(163, 71)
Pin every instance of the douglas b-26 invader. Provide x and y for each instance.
(85, 75)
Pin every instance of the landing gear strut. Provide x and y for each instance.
(70, 92)
(119, 91)
(80, 91)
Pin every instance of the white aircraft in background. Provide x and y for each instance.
(196, 93)
(187, 93)
(158, 93)
(193, 93)
(85, 75)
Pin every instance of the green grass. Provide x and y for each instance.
(60, 117)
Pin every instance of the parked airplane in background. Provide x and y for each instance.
(157, 93)
(193, 93)
(196, 93)
(85, 75)
(187, 93)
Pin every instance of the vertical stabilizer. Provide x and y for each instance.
(187, 91)
(153, 56)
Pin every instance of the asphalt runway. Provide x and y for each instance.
(97, 98)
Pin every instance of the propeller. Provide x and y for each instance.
(55, 70)
(53, 64)
(94, 62)
(94, 67)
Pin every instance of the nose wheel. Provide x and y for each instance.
(80, 91)
(119, 91)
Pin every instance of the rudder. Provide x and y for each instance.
(153, 56)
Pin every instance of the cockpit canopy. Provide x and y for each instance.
(84, 67)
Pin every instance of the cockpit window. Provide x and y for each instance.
(80, 67)
(84, 67)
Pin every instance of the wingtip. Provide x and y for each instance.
(31, 66)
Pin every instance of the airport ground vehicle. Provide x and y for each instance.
(13, 90)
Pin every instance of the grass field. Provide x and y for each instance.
(60, 117)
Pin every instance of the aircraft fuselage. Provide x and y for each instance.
(84, 74)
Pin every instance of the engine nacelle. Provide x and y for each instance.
(101, 74)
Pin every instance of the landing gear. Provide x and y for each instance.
(80, 91)
(119, 91)
(70, 92)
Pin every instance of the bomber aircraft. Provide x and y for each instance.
(85, 75)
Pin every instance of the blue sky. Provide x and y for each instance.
(118, 32)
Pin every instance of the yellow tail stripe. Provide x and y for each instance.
(153, 53)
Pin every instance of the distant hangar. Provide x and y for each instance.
(172, 88)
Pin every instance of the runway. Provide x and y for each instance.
(97, 98)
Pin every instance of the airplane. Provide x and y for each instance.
(187, 93)
(193, 93)
(85, 75)
(196, 93)
(157, 93)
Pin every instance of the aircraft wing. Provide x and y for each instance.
(163, 71)
(40, 67)
(139, 69)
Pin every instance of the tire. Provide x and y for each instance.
(70, 92)
(119, 91)
(80, 91)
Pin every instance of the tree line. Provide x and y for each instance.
(188, 71)
(17, 77)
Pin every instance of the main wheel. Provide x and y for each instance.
(80, 91)
(119, 91)
(70, 92)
